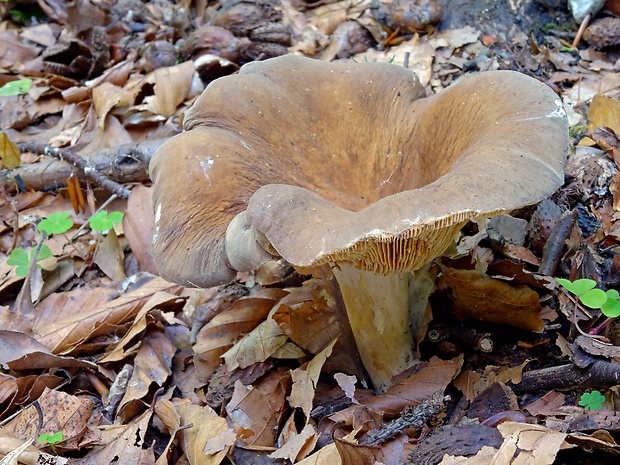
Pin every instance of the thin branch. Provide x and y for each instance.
(88, 170)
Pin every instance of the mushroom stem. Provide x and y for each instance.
(379, 309)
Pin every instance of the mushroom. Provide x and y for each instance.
(344, 164)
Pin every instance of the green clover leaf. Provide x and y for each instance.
(592, 400)
(103, 221)
(51, 438)
(586, 290)
(56, 223)
(18, 87)
(611, 308)
(21, 259)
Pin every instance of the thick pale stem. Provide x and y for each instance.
(379, 308)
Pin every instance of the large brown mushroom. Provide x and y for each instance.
(344, 163)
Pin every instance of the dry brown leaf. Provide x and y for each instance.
(427, 379)
(22, 452)
(347, 384)
(257, 346)
(207, 424)
(122, 444)
(298, 446)
(604, 111)
(172, 85)
(308, 317)
(304, 381)
(420, 52)
(65, 335)
(548, 404)
(61, 412)
(527, 443)
(140, 323)
(42, 34)
(13, 52)
(105, 97)
(466, 382)
(9, 153)
(109, 256)
(485, 456)
(18, 351)
(138, 226)
(152, 365)
(483, 298)
(217, 336)
(256, 411)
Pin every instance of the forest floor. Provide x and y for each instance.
(103, 361)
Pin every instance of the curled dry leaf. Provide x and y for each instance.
(478, 296)
(305, 379)
(217, 336)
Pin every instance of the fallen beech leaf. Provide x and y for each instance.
(421, 382)
(217, 336)
(483, 298)
(152, 365)
(61, 412)
(109, 256)
(65, 335)
(158, 300)
(549, 404)
(295, 447)
(466, 382)
(9, 153)
(604, 111)
(485, 456)
(527, 443)
(172, 84)
(258, 409)
(122, 444)
(308, 317)
(105, 97)
(305, 379)
(257, 346)
(18, 351)
(207, 424)
(347, 384)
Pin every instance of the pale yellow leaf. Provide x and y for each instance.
(9, 153)
(305, 379)
(604, 111)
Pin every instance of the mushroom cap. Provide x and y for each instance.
(345, 162)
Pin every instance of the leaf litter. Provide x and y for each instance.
(264, 372)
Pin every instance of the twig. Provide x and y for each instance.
(410, 417)
(87, 222)
(582, 28)
(88, 170)
(554, 247)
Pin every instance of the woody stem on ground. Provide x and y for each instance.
(73, 158)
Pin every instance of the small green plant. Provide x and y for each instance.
(56, 223)
(104, 221)
(22, 260)
(592, 400)
(589, 295)
(51, 438)
(18, 87)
